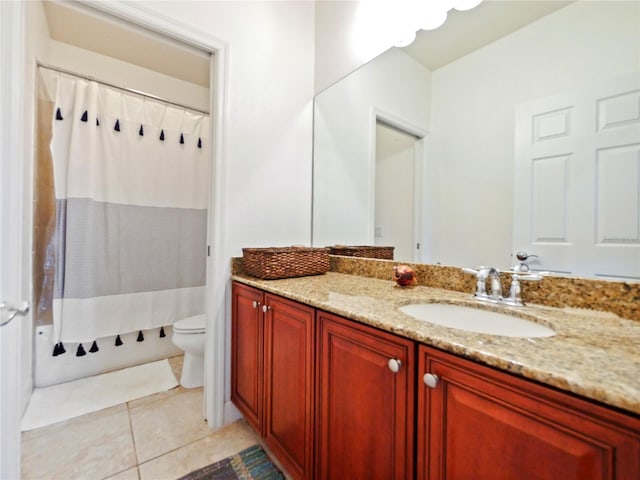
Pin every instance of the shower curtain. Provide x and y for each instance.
(131, 182)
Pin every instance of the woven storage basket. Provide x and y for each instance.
(363, 251)
(285, 262)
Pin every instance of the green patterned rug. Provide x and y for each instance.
(250, 464)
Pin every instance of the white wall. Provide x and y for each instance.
(473, 116)
(343, 171)
(268, 125)
(117, 72)
(335, 52)
(266, 162)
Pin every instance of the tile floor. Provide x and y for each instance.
(141, 440)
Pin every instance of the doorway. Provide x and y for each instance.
(395, 191)
(19, 95)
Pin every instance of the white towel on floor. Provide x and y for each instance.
(69, 400)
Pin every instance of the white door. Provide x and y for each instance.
(12, 158)
(577, 180)
(395, 191)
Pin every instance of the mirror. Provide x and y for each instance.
(460, 110)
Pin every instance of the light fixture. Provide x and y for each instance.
(406, 41)
(463, 5)
(382, 23)
(433, 17)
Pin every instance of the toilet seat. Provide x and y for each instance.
(190, 325)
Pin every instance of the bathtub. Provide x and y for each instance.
(50, 370)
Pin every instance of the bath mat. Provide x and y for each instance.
(250, 464)
(71, 399)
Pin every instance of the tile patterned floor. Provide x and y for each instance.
(141, 440)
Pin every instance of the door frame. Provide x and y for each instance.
(217, 275)
(12, 88)
(377, 115)
(13, 180)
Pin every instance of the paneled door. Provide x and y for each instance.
(577, 180)
(364, 402)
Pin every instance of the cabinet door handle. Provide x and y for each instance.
(394, 365)
(256, 304)
(430, 380)
(265, 308)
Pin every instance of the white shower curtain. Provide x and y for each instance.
(131, 186)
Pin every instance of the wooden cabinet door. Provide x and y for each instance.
(364, 410)
(289, 357)
(481, 423)
(247, 340)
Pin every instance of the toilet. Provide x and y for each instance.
(188, 335)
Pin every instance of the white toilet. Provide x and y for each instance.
(188, 335)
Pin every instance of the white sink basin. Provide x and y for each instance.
(476, 320)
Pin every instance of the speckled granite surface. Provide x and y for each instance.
(593, 354)
(621, 298)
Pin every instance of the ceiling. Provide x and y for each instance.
(464, 32)
(88, 29)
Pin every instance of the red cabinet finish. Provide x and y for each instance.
(289, 357)
(323, 394)
(272, 373)
(364, 410)
(482, 423)
(247, 340)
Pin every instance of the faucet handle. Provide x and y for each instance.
(470, 270)
(514, 297)
(481, 273)
(530, 277)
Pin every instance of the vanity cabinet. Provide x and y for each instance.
(272, 348)
(365, 402)
(477, 422)
(334, 398)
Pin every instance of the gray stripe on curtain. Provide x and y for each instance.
(111, 249)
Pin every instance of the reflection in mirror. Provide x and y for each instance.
(464, 110)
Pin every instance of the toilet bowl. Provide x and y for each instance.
(188, 335)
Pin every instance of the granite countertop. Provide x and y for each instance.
(594, 354)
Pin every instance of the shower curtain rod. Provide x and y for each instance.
(126, 89)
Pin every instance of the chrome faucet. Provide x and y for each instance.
(482, 275)
(493, 275)
(496, 285)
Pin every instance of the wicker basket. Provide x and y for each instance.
(363, 251)
(285, 262)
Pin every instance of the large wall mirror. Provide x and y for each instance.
(467, 146)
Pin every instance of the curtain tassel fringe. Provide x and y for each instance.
(85, 116)
(116, 127)
(94, 348)
(140, 337)
(181, 139)
(58, 349)
(80, 352)
(59, 114)
(199, 143)
(118, 341)
(162, 135)
(162, 334)
(141, 131)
